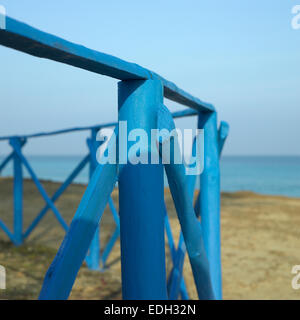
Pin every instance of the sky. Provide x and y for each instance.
(242, 56)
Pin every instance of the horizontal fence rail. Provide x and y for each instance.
(177, 114)
(22, 37)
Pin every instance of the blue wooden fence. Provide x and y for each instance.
(143, 217)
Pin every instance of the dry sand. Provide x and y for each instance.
(260, 244)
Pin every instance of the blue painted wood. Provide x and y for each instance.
(6, 161)
(170, 237)
(141, 198)
(222, 135)
(197, 206)
(93, 145)
(191, 230)
(57, 195)
(190, 226)
(210, 200)
(93, 256)
(184, 113)
(109, 246)
(171, 285)
(7, 231)
(61, 275)
(191, 179)
(25, 38)
(18, 192)
(63, 131)
(178, 114)
(183, 291)
(11, 155)
(114, 212)
(39, 185)
(176, 276)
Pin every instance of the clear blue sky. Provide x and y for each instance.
(242, 56)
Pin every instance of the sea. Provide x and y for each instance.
(274, 175)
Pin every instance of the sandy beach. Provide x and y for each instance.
(260, 245)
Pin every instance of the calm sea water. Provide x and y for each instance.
(266, 175)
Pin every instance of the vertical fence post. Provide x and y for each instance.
(92, 144)
(93, 257)
(18, 192)
(210, 199)
(141, 196)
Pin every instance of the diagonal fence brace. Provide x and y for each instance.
(39, 185)
(57, 195)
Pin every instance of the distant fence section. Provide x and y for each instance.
(143, 218)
